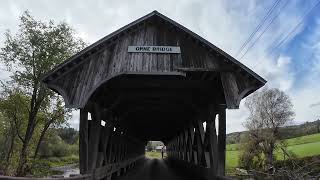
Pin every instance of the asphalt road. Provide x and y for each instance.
(155, 169)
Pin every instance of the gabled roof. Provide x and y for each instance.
(72, 61)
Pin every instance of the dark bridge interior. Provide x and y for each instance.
(157, 106)
(169, 107)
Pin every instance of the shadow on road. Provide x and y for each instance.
(158, 169)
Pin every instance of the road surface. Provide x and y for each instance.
(156, 169)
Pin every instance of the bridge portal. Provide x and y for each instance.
(152, 79)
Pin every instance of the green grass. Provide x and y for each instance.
(301, 146)
(232, 147)
(42, 166)
(304, 139)
(56, 162)
(155, 155)
(232, 159)
(308, 149)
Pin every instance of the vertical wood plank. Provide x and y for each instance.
(230, 88)
(198, 140)
(94, 138)
(106, 143)
(110, 147)
(211, 138)
(83, 142)
(222, 140)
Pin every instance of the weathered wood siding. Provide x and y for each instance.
(78, 84)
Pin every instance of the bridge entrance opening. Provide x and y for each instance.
(155, 150)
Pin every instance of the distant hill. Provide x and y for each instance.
(285, 132)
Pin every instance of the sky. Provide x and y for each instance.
(285, 50)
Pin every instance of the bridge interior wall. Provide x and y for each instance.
(107, 151)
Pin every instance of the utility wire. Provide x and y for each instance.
(295, 28)
(267, 27)
(275, 4)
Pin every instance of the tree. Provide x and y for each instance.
(318, 126)
(69, 135)
(34, 50)
(53, 115)
(149, 146)
(269, 110)
(13, 111)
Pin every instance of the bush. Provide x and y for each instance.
(295, 162)
(68, 135)
(56, 147)
(299, 168)
(40, 168)
(60, 150)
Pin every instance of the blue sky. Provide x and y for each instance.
(301, 49)
(294, 67)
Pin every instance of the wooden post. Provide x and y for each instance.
(211, 137)
(191, 139)
(83, 142)
(94, 138)
(199, 139)
(107, 134)
(222, 140)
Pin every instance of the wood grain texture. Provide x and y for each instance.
(144, 96)
(199, 146)
(78, 84)
(83, 141)
(221, 141)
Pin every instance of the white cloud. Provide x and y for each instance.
(74, 121)
(306, 99)
(236, 118)
(303, 100)
(225, 23)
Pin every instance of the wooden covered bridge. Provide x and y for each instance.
(152, 80)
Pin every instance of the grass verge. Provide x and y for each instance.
(303, 146)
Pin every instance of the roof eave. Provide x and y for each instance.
(92, 46)
(117, 32)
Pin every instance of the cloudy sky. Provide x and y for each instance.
(285, 50)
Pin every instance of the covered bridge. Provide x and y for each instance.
(153, 79)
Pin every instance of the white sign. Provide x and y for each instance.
(155, 49)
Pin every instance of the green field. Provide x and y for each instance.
(302, 146)
(155, 155)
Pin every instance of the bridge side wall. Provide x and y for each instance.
(105, 150)
(200, 146)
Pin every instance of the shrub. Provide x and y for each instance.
(56, 147)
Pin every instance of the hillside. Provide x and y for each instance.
(285, 132)
(303, 146)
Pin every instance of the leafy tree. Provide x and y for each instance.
(35, 49)
(269, 110)
(53, 115)
(251, 156)
(69, 135)
(318, 126)
(14, 112)
(149, 146)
